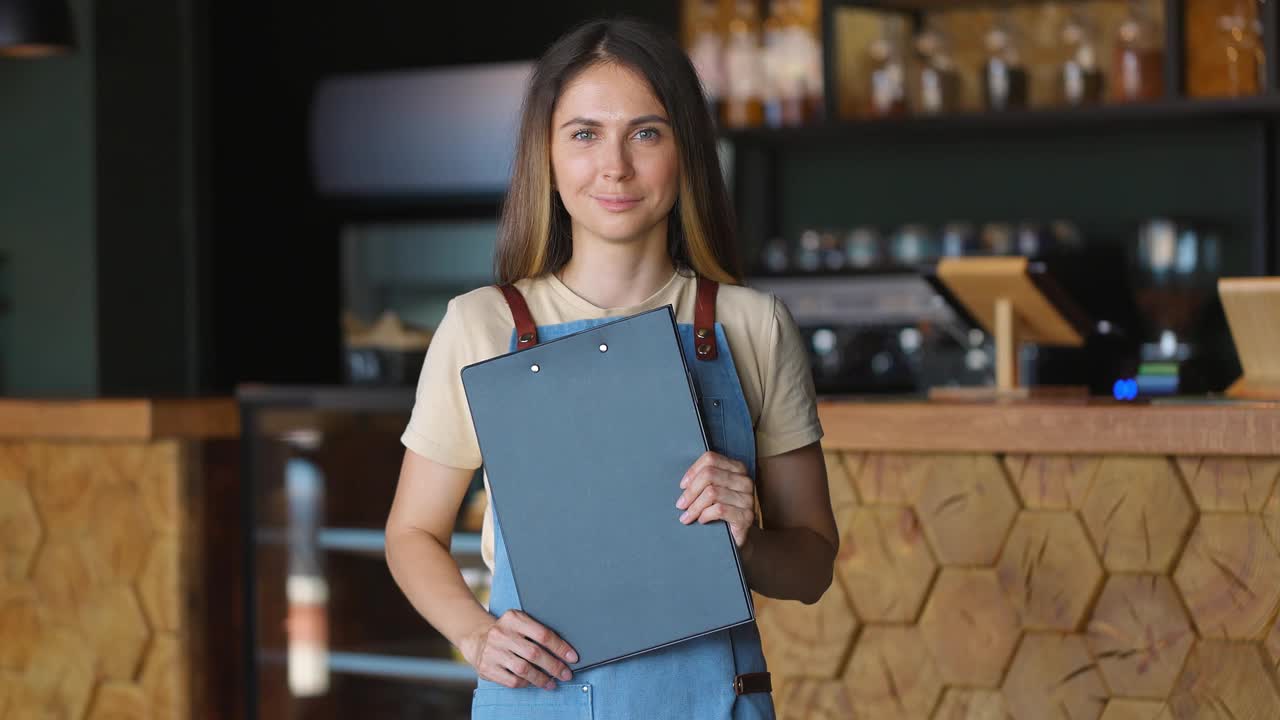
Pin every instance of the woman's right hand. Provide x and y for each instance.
(517, 651)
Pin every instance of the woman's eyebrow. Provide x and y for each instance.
(642, 120)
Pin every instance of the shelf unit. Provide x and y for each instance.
(763, 198)
(376, 639)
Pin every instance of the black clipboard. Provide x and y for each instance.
(585, 439)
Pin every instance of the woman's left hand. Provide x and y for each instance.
(718, 488)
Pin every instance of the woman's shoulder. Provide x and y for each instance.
(746, 307)
(487, 302)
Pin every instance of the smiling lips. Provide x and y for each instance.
(617, 203)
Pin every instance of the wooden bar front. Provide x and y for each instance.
(1032, 561)
(119, 559)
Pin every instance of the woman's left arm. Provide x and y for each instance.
(792, 556)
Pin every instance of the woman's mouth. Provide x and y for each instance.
(617, 203)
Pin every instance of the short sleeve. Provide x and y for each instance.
(440, 427)
(789, 410)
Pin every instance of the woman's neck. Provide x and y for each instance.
(614, 275)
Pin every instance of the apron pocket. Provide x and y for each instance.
(713, 422)
(569, 701)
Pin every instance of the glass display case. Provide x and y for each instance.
(329, 633)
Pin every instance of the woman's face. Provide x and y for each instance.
(613, 156)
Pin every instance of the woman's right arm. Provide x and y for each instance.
(509, 650)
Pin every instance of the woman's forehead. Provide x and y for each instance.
(608, 92)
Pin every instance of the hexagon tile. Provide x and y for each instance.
(1120, 709)
(19, 528)
(1052, 482)
(1137, 514)
(1053, 675)
(1229, 484)
(1225, 679)
(1229, 576)
(1271, 516)
(969, 627)
(113, 624)
(891, 674)
(803, 699)
(1140, 635)
(891, 478)
(966, 507)
(1272, 646)
(885, 562)
(1048, 570)
(963, 704)
(807, 640)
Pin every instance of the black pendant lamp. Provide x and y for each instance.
(35, 28)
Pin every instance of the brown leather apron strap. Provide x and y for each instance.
(526, 329)
(752, 683)
(704, 320)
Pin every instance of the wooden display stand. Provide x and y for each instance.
(1015, 301)
(1252, 306)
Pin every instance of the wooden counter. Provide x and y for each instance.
(1042, 560)
(119, 558)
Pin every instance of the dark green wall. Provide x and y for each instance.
(47, 220)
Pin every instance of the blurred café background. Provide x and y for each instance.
(228, 229)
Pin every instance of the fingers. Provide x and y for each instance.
(516, 656)
(719, 475)
(712, 459)
(542, 635)
(525, 670)
(718, 496)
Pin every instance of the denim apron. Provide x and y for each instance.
(691, 680)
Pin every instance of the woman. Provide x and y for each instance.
(617, 206)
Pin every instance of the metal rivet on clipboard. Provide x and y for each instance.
(534, 368)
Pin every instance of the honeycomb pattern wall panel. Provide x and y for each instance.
(976, 586)
(94, 622)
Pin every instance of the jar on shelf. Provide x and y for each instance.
(809, 251)
(1005, 83)
(832, 255)
(862, 248)
(1138, 67)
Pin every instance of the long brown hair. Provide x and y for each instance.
(535, 235)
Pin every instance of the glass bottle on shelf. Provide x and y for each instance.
(1004, 78)
(1082, 78)
(743, 104)
(806, 45)
(784, 104)
(1138, 67)
(888, 75)
(938, 83)
(1240, 36)
(706, 52)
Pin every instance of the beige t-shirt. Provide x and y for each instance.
(766, 346)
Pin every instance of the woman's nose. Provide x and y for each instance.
(616, 162)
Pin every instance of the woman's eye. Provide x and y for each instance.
(647, 134)
(583, 135)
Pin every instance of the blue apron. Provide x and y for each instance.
(688, 680)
